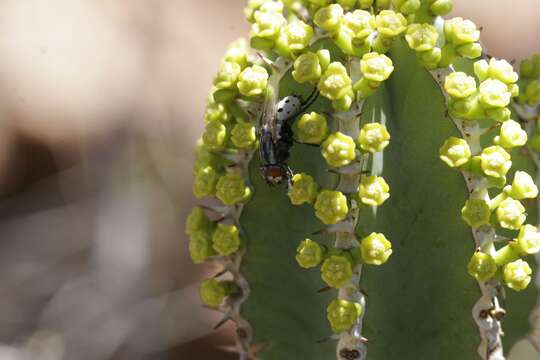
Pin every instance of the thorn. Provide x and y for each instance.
(221, 322)
(364, 340)
(363, 292)
(324, 289)
(324, 339)
(220, 273)
(267, 61)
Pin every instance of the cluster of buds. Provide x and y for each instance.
(529, 82)
(488, 168)
(490, 99)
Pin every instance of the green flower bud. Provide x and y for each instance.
(252, 81)
(336, 270)
(517, 275)
(216, 112)
(441, 7)
(215, 135)
(459, 31)
(495, 161)
(481, 69)
(476, 212)
(343, 314)
(430, 58)
(237, 52)
(482, 266)
(204, 157)
(205, 181)
(243, 135)
(309, 254)
(511, 135)
(213, 292)
(373, 137)
(528, 240)
(511, 214)
(376, 67)
(494, 93)
(375, 249)
(459, 85)
(331, 207)
(390, 23)
(421, 37)
(343, 104)
(455, 152)
(523, 186)
(226, 239)
(338, 149)
(307, 68)
(324, 58)
(294, 37)
(335, 82)
(303, 189)
(407, 7)
(532, 92)
(526, 68)
(267, 24)
(231, 189)
(227, 75)
(470, 51)
(358, 24)
(502, 70)
(468, 108)
(373, 190)
(197, 221)
(311, 128)
(499, 114)
(329, 18)
(200, 246)
(251, 7)
(365, 88)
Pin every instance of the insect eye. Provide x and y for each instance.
(287, 101)
(280, 110)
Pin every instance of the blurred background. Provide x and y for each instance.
(101, 102)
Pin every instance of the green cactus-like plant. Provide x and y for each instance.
(372, 207)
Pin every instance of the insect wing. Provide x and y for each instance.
(268, 119)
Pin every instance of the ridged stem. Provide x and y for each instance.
(490, 328)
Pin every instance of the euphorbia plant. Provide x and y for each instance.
(371, 206)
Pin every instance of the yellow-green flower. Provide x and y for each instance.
(329, 17)
(295, 36)
(303, 189)
(197, 220)
(252, 81)
(336, 270)
(335, 82)
(311, 128)
(338, 149)
(359, 24)
(267, 24)
(373, 137)
(243, 135)
(375, 249)
(511, 135)
(373, 190)
(495, 161)
(390, 24)
(307, 67)
(476, 212)
(459, 31)
(511, 214)
(376, 67)
(494, 93)
(231, 189)
(212, 292)
(421, 37)
(528, 240)
(200, 246)
(455, 152)
(517, 275)
(227, 75)
(205, 181)
(343, 314)
(226, 239)
(482, 266)
(237, 52)
(215, 135)
(502, 70)
(331, 206)
(459, 85)
(309, 254)
(523, 186)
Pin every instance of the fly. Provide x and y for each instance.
(276, 135)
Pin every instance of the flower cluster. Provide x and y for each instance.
(530, 81)
(488, 168)
(488, 99)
